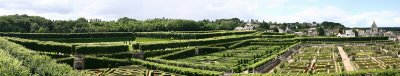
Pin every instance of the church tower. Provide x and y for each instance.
(374, 29)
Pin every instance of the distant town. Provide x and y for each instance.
(312, 29)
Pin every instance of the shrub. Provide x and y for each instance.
(38, 64)
(175, 69)
(70, 35)
(101, 49)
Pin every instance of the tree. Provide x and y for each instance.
(321, 31)
(264, 25)
(355, 32)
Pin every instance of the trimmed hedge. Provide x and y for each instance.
(104, 62)
(120, 55)
(304, 39)
(279, 36)
(194, 42)
(273, 33)
(101, 49)
(272, 43)
(70, 35)
(175, 69)
(44, 46)
(159, 52)
(372, 72)
(190, 35)
(37, 64)
(190, 52)
(240, 44)
(11, 66)
(261, 62)
(190, 65)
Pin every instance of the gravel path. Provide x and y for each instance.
(345, 59)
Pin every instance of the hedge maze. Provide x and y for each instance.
(194, 53)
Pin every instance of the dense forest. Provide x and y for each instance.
(36, 24)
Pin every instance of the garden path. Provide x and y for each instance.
(345, 60)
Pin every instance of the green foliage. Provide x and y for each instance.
(44, 46)
(11, 66)
(37, 24)
(159, 52)
(175, 69)
(321, 31)
(303, 39)
(37, 64)
(193, 42)
(190, 35)
(103, 62)
(70, 35)
(101, 49)
(240, 44)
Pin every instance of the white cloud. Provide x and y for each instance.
(197, 10)
(332, 13)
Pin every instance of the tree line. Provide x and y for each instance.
(36, 24)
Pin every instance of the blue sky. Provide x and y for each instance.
(351, 13)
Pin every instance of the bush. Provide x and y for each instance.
(70, 35)
(175, 69)
(44, 46)
(101, 49)
(159, 52)
(338, 39)
(185, 43)
(103, 62)
(190, 52)
(11, 66)
(240, 44)
(38, 64)
(190, 35)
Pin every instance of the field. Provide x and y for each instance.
(202, 53)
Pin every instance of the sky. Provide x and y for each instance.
(351, 13)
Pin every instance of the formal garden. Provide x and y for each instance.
(194, 53)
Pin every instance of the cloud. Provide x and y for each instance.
(268, 10)
(335, 14)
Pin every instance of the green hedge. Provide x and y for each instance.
(190, 65)
(273, 33)
(278, 36)
(11, 66)
(190, 35)
(190, 52)
(101, 49)
(272, 43)
(37, 64)
(175, 69)
(194, 42)
(120, 55)
(373, 72)
(44, 46)
(263, 61)
(159, 52)
(240, 44)
(104, 62)
(70, 35)
(338, 39)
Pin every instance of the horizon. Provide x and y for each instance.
(352, 14)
